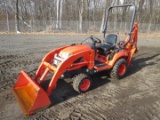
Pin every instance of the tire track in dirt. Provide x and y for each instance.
(151, 111)
(83, 108)
(146, 112)
(94, 112)
(9, 67)
(5, 57)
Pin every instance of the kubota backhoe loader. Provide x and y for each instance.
(78, 61)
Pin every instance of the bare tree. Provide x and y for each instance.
(31, 15)
(104, 15)
(80, 8)
(140, 10)
(93, 13)
(88, 11)
(151, 15)
(17, 17)
(6, 15)
(59, 14)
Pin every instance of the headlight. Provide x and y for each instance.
(64, 55)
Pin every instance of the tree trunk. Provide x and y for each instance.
(32, 17)
(103, 16)
(59, 14)
(88, 12)
(94, 13)
(61, 10)
(151, 16)
(17, 17)
(102, 22)
(116, 16)
(58, 5)
(80, 15)
(6, 16)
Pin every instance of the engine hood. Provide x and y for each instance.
(75, 49)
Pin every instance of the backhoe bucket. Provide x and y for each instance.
(30, 96)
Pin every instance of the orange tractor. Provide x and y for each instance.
(78, 61)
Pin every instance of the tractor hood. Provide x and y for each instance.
(75, 49)
(66, 52)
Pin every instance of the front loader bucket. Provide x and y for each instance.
(30, 96)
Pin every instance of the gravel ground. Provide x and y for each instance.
(135, 97)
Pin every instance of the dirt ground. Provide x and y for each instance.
(135, 97)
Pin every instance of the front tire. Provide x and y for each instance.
(119, 70)
(81, 83)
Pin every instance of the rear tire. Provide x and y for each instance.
(81, 83)
(119, 70)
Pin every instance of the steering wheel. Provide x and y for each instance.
(95, 39)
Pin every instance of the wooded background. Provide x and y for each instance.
(72, 15)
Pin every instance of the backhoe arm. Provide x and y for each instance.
(132, 44)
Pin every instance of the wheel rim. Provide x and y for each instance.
(85, 84)
(122, 69)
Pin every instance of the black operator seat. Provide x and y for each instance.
(109, 43)
(111, 40)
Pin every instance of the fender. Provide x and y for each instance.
(120, 54)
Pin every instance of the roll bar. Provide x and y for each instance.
(107, 14)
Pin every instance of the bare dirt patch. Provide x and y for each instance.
(134, 97)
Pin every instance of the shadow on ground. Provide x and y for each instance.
(65, 91)
(139, 63)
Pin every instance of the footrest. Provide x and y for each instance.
(101, 65)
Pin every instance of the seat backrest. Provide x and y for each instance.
(111, 39)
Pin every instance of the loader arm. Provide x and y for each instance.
(49, 59)
(64, 66)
